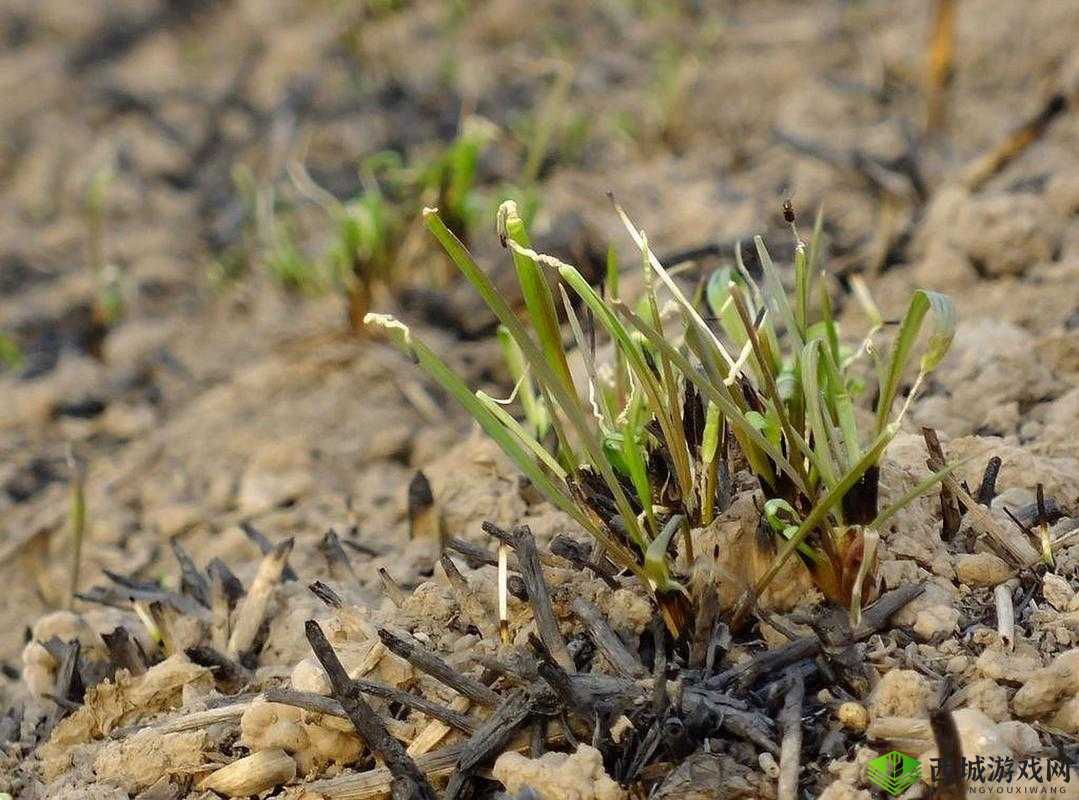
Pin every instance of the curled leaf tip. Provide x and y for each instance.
(506, 212)
(391, 325)
(429, 211)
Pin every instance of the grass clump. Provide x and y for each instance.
(635, 448)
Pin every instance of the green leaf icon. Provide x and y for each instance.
(894, 772)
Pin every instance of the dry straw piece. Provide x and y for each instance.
(252, 775)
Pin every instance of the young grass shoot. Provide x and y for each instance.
(634, 445)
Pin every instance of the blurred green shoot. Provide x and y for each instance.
(448, 179)
(366, 230)
(11, 355)
(108, 304)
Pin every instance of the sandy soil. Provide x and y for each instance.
(213, 403)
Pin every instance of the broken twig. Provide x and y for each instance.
(408, 781)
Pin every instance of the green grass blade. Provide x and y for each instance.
(940, 339)
(809, 361)
(565, 398)
(598, 398)
(731, 411)
(539, 300)
(494, 428)
(775, 294)
(523, 436)
(534, 410)
(821, 510)
(687, 307)
(675, 433)
(653, 389)
(816, 240)
(916, 491)
(476, 407)
(828, 318)
(844, 409)
(801, 288)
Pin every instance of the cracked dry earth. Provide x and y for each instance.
(217, 424)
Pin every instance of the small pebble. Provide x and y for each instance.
(853, 716)
(768, 765)
(957, 665)
(1057, 591)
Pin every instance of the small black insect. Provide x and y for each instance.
(788, 211)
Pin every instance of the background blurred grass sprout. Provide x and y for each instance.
(633, 450)
(11, 355)
(448, 179)
(108, 306)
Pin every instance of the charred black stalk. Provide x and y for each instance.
(233, 588)
(951, 782)
(770, 661)
(192, 582)
(65, 683)
(606, 640)
(579, 554)
(489, 741)
(408, 781)
(539, 596)
(586, 694)
(455, 719)
(860, 503)
(790, 751)
(325, 593)
(336, 558)
(949, 505)
(987, 490)
(426, 661)
(474, 555)
(125, 651)
(265, 546)
(424, 521)
(226, 671)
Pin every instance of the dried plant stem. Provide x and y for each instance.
(1019, 551)
(540, 598)
(503, 592)
(252, 609)
(941, 62)
(436, 730)
(78, 523)
(1002, 597)
(408, 781)
(441, 763)
(981, 170)
(392, 589)
(949, 507)
(604, 637)
(790, 751)
(253, 774)
(426, 661)
(472, 609)
(320, 704)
